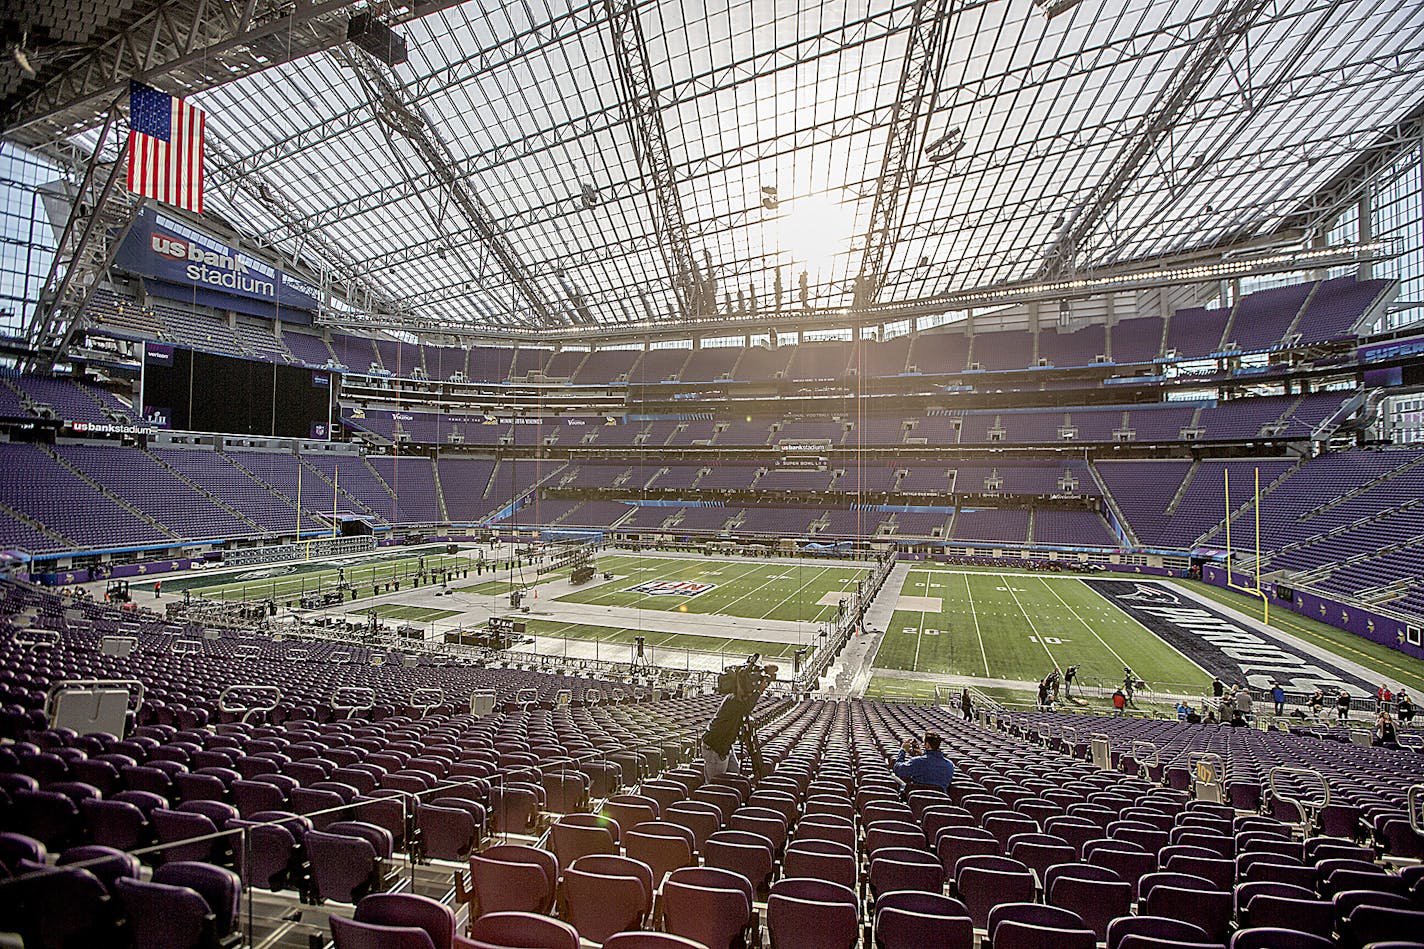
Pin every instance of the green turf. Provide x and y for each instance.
(895, 689)
(747, 589)
(1017, 627)
(416, 614)
(734, 648)
(1402, 669)
(288, 581)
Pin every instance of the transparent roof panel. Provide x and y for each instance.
(1116, 131)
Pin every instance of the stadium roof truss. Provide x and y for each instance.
(547, 167)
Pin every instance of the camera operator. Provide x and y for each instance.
(742, 685)
(927, 765)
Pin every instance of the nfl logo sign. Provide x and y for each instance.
(672, 588)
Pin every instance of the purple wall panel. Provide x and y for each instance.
(1364, 623)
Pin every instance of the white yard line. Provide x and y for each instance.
(754, 590)
(1008, 585)
(796, 591)
(915, 666)
(1083, 622)
(980, 636)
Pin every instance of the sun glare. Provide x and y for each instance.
(814, 230)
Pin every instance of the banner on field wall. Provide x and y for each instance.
(166, 249)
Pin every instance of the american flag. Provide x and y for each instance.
(165, 148)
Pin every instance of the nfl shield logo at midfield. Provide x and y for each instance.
(672, 588)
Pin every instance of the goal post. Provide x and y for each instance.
(1254, 591)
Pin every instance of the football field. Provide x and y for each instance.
(750, 589)
(293, 579)
(1018, 627)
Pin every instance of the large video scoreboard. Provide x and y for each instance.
(190, 390)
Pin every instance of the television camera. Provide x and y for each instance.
(747, 681)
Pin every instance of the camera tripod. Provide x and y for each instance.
(751, 747)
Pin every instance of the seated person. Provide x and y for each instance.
(930, 768)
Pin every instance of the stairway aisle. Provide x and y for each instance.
(849, 675)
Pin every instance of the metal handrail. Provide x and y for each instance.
(1307, 809)
(37, 637)
(423, 700)
(247, 710)
(367, 699)
(1146, 755)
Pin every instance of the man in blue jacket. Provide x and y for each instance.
(929, 768)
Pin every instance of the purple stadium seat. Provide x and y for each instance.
(346, 863)
(664, 847)
(742, 852)
(186, 906)
(1159, 928)
(433, 918)
(513, 878)
(708, 905)
(897, 928)
(1097, 902)
(575, 835)
(508, 930)
(1279, 938)
(821, 860)
(446, 833)
(649, 940)
(61, 907)
(106, 863)
(1371, 924)
(607, 894)
(984, 882)
(812, 914)
(354, 934)
(898, 868)
(1211, 910)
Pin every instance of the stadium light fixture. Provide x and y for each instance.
(22, 58)
(1055, 8)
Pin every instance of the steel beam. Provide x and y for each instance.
(1227, 28)
(500, 53)
(192, 44)
(1320, 209)
(642, 109)
(100, 210)
(399, 115)
(926, 49)
(265, 193)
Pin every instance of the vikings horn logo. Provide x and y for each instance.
(1146, 593)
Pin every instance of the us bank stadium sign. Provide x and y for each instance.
(108, 428)
(1222, 646)
(166, 249)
